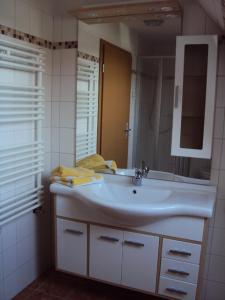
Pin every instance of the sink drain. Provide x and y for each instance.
(134, 192)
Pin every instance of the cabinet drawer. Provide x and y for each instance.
(181, 251)
(105, 253)
(179, 270)
(177, 289)
(139, 266)
(72, 246)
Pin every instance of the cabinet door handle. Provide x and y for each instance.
(178, 252)
(136, 244)
(176, 101)
(176, 291)
(73, 231)
(108, 238)
(173, 271)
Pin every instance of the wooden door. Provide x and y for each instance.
(115, 85)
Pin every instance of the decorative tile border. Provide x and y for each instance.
(65, 45)
(87, 56)
(26, 37)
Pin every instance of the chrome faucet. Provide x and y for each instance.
(137, 178)
(145, 169)
(140, 173)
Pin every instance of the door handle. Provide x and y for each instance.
(108, 238)
(136, 244)
(176, 291)
(178, 252)
(178, 272)
(127, 129)
(72, 231)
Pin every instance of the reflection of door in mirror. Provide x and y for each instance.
(115, 82)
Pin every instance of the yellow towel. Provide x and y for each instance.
(97, 163)
(75, 181)
(75, 176)
(75, 172)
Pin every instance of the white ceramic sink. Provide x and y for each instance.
(117, 197)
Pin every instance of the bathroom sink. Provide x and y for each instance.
(118, 198)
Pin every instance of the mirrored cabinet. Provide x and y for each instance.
(194, 96)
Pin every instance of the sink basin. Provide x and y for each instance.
(118, 198)
(132, 195)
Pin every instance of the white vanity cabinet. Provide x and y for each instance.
(194, 96)
(125, 258)
(105, 253)
(179, 269)
(158, 258)
(71, 246)
(140, 258)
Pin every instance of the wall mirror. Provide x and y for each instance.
(125, 97)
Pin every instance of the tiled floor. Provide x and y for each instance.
(58, 286)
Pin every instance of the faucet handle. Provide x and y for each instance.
(137, 179)
(138, 173)
(145, 171)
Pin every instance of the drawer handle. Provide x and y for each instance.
(178, 252)
(136, 244)
(108, 238)
(179, 292)
(183, 273)
(72, 231)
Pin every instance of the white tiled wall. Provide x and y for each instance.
(25, 242)
(21, 253)
(214, 275)
(63, 94)
(27, 16)
(24, 255)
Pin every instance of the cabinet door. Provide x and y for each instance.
(71, 246)
(140, 257)
(105, 254)
(194, 96)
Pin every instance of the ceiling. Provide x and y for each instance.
(214, 8)
(63, 7)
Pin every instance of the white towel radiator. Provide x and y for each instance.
(21, 111)
(87, 107)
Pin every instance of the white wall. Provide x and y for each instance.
(196, 22)
(32, 17)
(25, 243)
(116, 33)
(63, 94)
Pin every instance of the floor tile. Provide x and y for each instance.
(59, 286)
(24, 294)
(36, 295)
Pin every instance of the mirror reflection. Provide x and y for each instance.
(125, 98)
